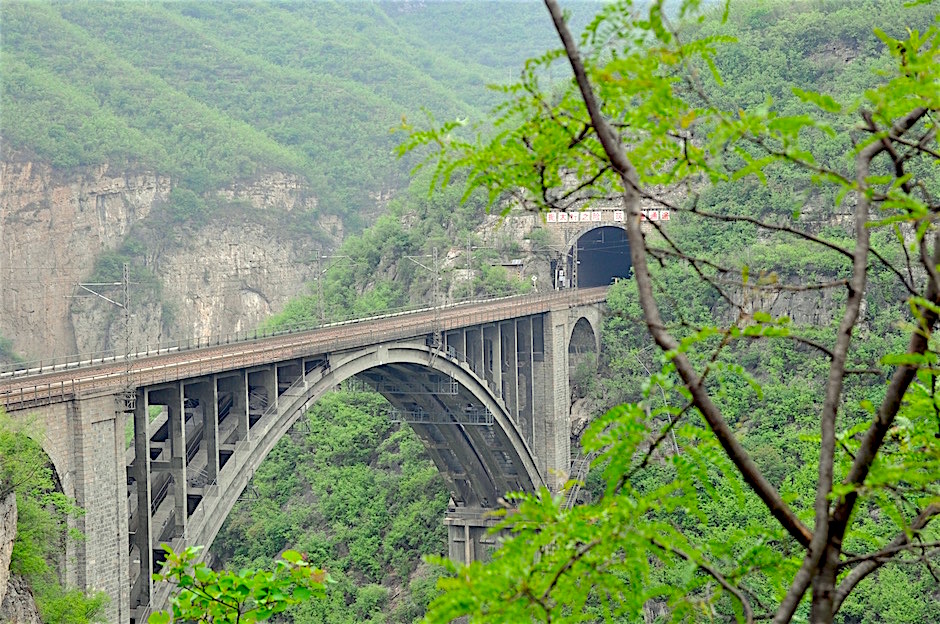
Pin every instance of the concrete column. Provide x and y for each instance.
(510, 366)
(553, 400)
(206, 392)
(454, 340)
(265, 381)
(140, 471)
(100, 486)
(287, 374)
(468, 536)
(172, 398)
(176, 417)
(474, 350)
(491, 360)
(531, 427)
(237, 385)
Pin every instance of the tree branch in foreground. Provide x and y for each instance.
(715, 574)
(876, 560)
(628, 174)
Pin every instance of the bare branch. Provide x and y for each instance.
(810, 343)
(907, 256)
(875, 561)
(655, 445)
(931, 267)
(628, 174)
(715, 574)
(818, 546)
(921, 144)
(908, 285)
(697, 268)
(887, 553)
(579, 554)
(772, 227)
(900, 381)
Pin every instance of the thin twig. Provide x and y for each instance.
(715, 574)
(865, 568)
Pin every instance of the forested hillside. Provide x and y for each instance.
(212, 144)
(775, 446)
(209, 93)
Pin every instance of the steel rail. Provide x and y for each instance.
(62, 382)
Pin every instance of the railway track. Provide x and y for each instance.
(27, 387)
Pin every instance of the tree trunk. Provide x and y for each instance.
(824, 586)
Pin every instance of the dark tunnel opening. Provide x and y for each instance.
(603, 255)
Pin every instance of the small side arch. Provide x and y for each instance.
(583, 338)
(583, 346)
(43, 425)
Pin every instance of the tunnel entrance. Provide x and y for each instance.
(602, 254)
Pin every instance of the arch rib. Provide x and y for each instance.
(207, 519)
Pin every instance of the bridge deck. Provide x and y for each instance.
(24, 388)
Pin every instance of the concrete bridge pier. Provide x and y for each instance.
(552, 399)
(468, 534)
(526, 362)
(96, 478)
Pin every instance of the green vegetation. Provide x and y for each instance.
(359, 496)
(768, 468)
(7, 354)
(213, 93)
(372, 273)
(660, 544)
(41, 529)
(243, 597)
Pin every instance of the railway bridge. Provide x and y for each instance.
(157, 446)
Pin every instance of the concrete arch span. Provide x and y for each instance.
(223, 407)
(480, 463)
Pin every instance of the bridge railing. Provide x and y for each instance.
(169, 372)
(112, 356)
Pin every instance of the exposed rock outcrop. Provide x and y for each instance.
(52, 229)
(225, 277)
(19, 606)
(222, 275)
(273, 191)
(7, 536)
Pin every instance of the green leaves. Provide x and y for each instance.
(824, 102)
(246, 596)
(674, 523)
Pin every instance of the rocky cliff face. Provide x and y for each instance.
(19, 606)
(7, 536)
(226, 277)
(16, 600)
(225, 274)
(52, 229)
